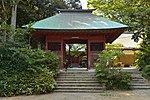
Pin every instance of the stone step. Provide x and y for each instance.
(87, 74)
(77, 75)
(139, 79)
(77, 72)
(138, 74)
(78, 88)
(138, 84)
(140, 87)
(134, 73)
(76, 79)
(76, 69)
(130, 70)
(80, 85)
(79, 91)
(79, 82)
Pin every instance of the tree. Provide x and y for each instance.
(39, 9)
(73, 4)
(6, 6)
(134, 13)
(3, 20)
(27, 11)
(32, 10)
(5, 11)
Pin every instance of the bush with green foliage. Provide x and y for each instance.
(111, 77)
(143, 58)
(146, 72)
(27, 71)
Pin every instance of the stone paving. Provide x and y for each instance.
(108, 95)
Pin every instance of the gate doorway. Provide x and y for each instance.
(76, 53)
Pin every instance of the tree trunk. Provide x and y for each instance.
(5, 34)
(13, 17)
(4, 24)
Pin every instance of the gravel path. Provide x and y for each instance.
(109, 95)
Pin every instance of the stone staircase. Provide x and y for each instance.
(81, 80)
(138, 82)
(78, 80)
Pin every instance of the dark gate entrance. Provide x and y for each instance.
(76, 53)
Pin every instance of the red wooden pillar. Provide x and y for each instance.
(104, 46)
(46, 43)
(89, 54)
(62, 55)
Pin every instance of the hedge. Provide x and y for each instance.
(27, 71)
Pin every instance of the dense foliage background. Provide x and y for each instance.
(27, 71)
(33, 10)
(134, 13)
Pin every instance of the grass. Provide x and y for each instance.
(105, 94)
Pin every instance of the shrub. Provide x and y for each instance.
(146, 72)
(143, 58)
(112, 78)
(40, 59)
(26, 71)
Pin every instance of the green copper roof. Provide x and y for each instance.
(74, 20)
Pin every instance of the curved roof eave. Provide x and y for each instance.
(80, 29)
(76, 21)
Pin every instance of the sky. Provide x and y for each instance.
(84, 4)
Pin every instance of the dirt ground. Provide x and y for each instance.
(108, 95)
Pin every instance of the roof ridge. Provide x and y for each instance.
(75, 10)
